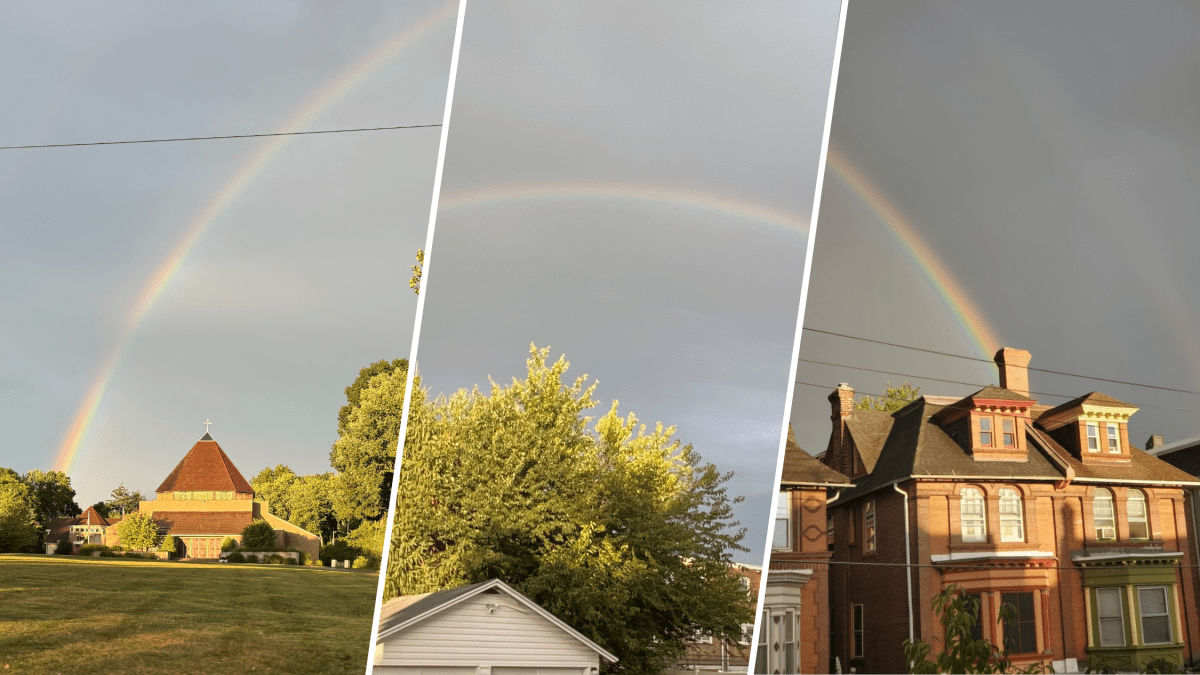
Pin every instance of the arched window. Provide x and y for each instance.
(971, 513)
(1135, 508)
(1012, 519)
(1103, 515)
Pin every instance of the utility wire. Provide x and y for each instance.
(212, 138)
(974, 358)
(964, 564)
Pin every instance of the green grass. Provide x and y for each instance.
(62, 614)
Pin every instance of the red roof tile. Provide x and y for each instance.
(202, 522)
(206, 467)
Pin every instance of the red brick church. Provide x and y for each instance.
(206, 499)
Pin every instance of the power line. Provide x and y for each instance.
(974, 358)
(213, 138)
(961, 564)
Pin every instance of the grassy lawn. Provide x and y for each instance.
(61, 614)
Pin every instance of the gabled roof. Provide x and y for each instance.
(801, 468)
(416, 609)
(869, 429)
(1142, 467)
(994, 393)
(1094, 398)
(206, 467)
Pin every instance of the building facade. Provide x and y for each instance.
(706, 653)
(1047, 510)
(795, 624)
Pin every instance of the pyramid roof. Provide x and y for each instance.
(206, 467)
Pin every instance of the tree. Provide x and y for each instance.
(894, 398)
(52, 495)
(18, 518)
(102, 509)
(310, 499)
(364, 454)
(273, 485)
(138, 531)
(167, 545)
(123, 501)
(258, 536)
(622, 532)
(415, 282)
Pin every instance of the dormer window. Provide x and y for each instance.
(1009, 436)
(1113, 445)
(985, 432)
(1093, 437)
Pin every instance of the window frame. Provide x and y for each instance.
(1112, 514)
(1142, 616)
(869, 527)
(784, 506)
(1019, 622)
(1144, 519)
(989, 431)
(1013, 496)
(1113, 439)
(1100, 619)
(857, 631)
(1008, 436)
(1093, 435)
(963, 500)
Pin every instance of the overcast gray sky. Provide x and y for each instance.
(629, 183)
(297, 280)
(1048, 154)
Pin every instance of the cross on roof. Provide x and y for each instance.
(206, 423)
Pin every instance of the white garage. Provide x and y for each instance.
(482, 629)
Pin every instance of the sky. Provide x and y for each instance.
(630, 185)
(1047, 156)
(292, 255)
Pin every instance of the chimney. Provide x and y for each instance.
(842, 400)
(837, 453)
(1155, 441)
(1014, 370)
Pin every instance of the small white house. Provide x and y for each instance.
(482, 629)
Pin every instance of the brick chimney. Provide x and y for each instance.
(1014, 369)
(837, 454)
(1155, 441)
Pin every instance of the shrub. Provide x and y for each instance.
(228, 544)
(64, 547)
(362, 562)
(134, 554)
(107, 554)
(339, 550)
(258, 536)
(289, 561)
(275, 558)
(88, 549)
(117, 548)
(236, 557)
(250, 557)
(168, 546)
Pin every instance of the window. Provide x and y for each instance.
(829, 532)
(1093, 431)
(1102, 514)
(1111, 616)
(1156, 621)
(747, 633)
(856, 647)
(1113, 444)
(1020, 629)
(985, 431)
(1009, 434)
(971, 513)
(1135, 508)
(975, 606)
(782, 535)
(760, 658)
(1012, 521)
(789, 643)
(869, 527)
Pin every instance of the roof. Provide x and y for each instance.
(206, 467)
(869, 429)
(1094, 398)
(801, 468)
(202, 522)
(994, 393)
(915, 446)
(406, 611)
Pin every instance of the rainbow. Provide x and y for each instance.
(628, 193)
(979, 332)
(158, 282)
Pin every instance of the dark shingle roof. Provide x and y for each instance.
(995, 393)
(869, 429)
(206, 467)
(801, 468)
(202, 522)
(1095, 398)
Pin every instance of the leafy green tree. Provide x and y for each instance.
(273, 485)
(53, 496)
(228, 544)
(138, 532)
(415, 282)
(123, 501)
(102, 509)
(622, 532)
(310, 499)
(258, 536)
(167, 545)
(894, 398)
(364, 454)
(18, 517)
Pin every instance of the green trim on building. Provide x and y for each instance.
(1130, 574)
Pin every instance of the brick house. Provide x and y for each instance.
(1046, 509)
(88, 527)
(794, 628)
(707, 654)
